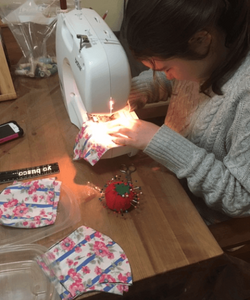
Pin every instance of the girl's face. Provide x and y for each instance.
(181, 69)
(209, 45)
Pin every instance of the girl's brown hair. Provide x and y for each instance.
(163, 28)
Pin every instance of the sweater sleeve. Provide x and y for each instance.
(224, 185)
(149, 87)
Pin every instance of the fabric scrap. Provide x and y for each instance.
(30, 204)
(85, 261)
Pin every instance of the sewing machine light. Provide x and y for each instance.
(111, 103)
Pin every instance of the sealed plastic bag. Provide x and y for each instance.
(33, 24)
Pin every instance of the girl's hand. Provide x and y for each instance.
(134, 133)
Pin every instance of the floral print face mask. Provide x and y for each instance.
(92, 142)
(30, 204)
(85, 261)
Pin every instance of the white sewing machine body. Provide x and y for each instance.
(93, 68)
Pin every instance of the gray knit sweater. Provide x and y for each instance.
(208, 141)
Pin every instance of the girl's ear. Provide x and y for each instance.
(200, 42)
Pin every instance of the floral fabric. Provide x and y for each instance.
(30, 204)
(93, 141)
(90, 143)
(86, 261)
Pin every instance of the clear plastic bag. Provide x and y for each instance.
(33, 24)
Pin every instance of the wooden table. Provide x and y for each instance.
(163, 235)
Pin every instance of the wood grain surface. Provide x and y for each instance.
(7, 90)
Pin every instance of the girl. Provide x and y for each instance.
(202, 46)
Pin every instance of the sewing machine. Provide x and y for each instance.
(93, 69)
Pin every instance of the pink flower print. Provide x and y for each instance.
(122, 278)
(122, 288)
(98, 234)
(55, 183)
(20, 210)
(7, 192)
(83, 153)
(35, 184)
(51, 194)
(86, 269)
(31, 190)
(1, 213)
(98, 270)
(87, 136)
(51, 256)
(32, 225)
(43, 213)
(35, 198)
(11, 203)
(123, 256)
(69, 262)
(43, 265)
(110, 255)
(37, 220)
(100, 150)
(74, 275)
(76, 288)
(87, 238)
(79, 136)
(106, 278)
(49, 222)
(78, 249)
(55, 203)
(67, 244)
(50, 198)
(100, 249)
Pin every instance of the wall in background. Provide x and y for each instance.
(114, 7)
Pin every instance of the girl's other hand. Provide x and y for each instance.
(134, 133)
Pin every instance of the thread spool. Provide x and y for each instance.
(63, 4)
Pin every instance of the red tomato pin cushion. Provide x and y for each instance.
(119, 195)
